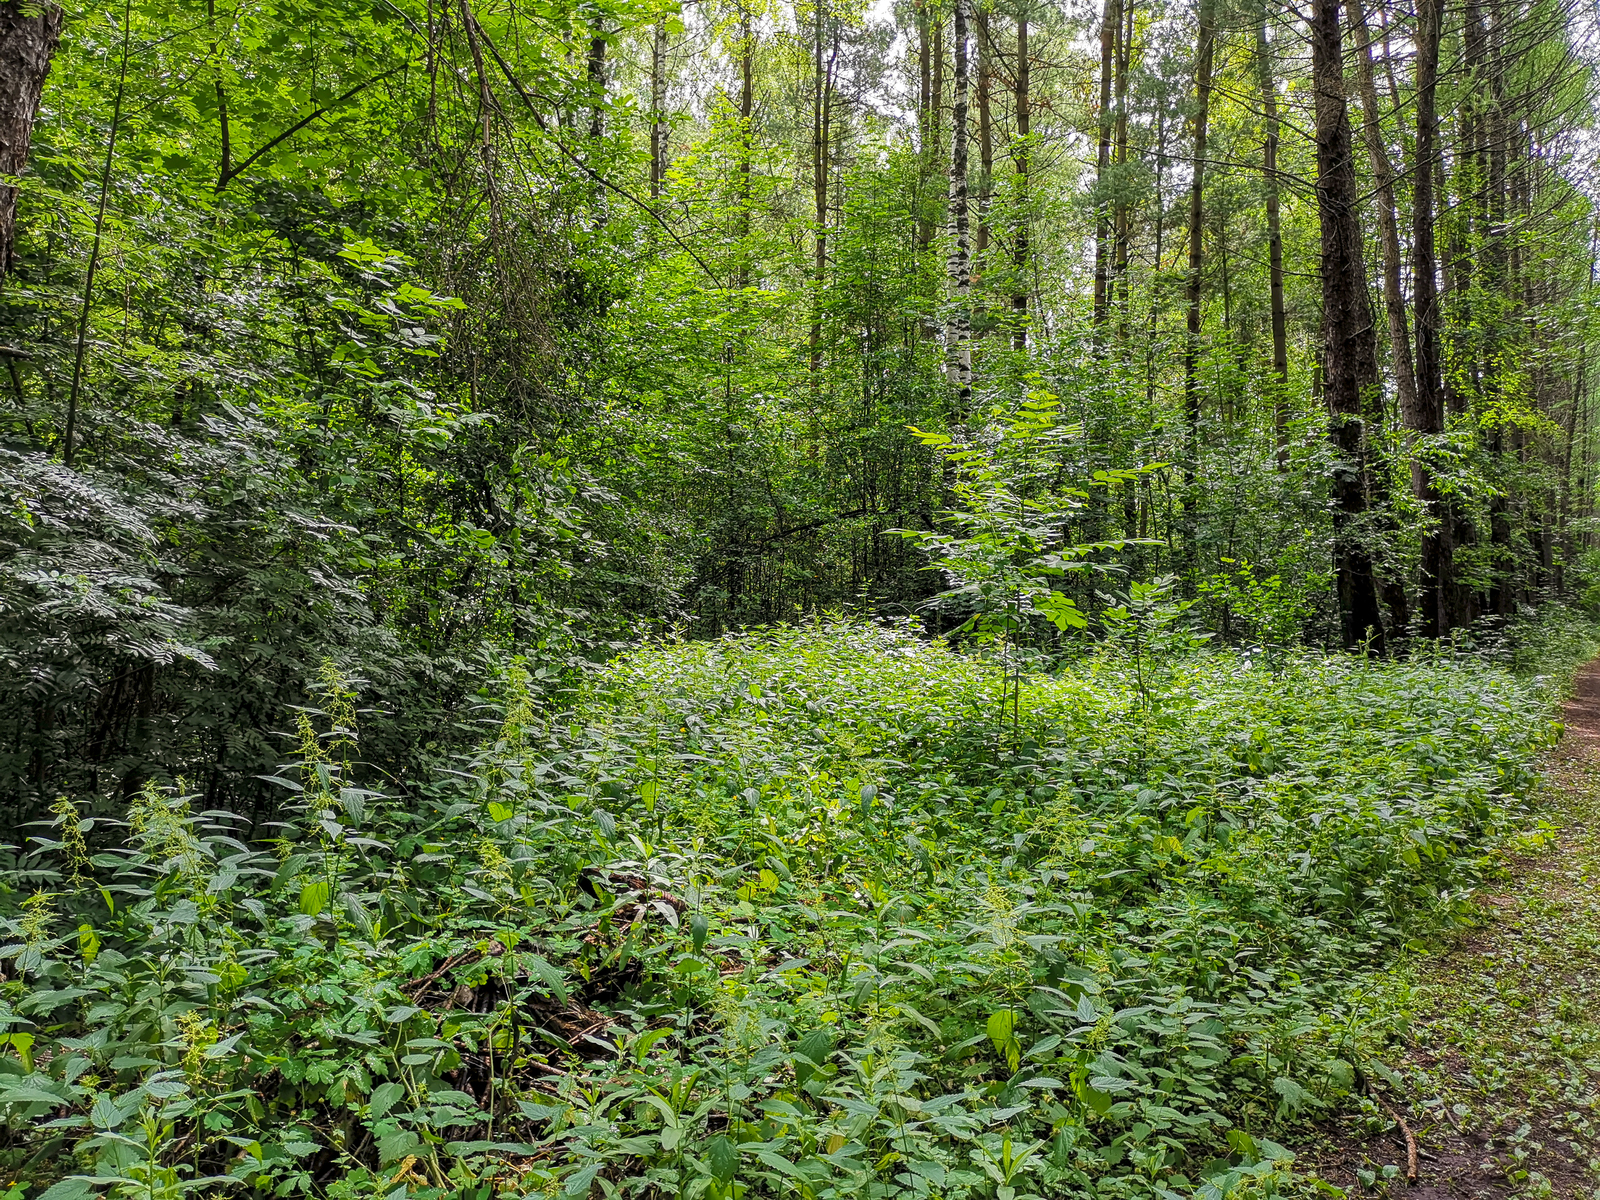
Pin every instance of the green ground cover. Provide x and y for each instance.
(797, 913)
(1493, 1058)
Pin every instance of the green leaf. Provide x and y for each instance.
(1294, 1096)
(22, 1093)
(548, 975)
(579, 1182)
(384, 1097)
(812, 1053)
(314, 897)
(722, 1156)
(395, 1145)
(106, 1113)
(999, 1027)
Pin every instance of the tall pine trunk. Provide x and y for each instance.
(1205, 49)
(747, 110)
(1121, 232)
(1110, 22)
(1269, 171)
(1394, 302)
(1426, 415)
(985, 141)
(821, 166)
(596, 74)
(926, 118)
(1350, 361)
(958, 331)
(1020, 160)
(1497, 284)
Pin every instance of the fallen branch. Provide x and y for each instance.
(1411, 1139)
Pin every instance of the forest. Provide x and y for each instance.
(771, 598)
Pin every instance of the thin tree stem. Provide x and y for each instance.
(94, 253)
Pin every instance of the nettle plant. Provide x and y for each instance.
(1149, 628)
(1276, 610)
(1003, 543)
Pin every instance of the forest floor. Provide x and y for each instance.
(1498, 1084)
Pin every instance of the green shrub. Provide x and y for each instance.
(784, 914)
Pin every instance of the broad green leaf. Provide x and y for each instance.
(314, 897)
(723, 1157)
(999, 1027)
(395, 1145)
(384, 1097)
(811, 1053)
(580, 1181)
(23, 1093)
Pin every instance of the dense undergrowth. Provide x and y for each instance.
(797, 913)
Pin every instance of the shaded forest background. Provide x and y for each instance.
(422, 336)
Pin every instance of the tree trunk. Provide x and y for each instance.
(747, 108)
(596, 73)
(29, 33)
(958, 341)
(1498, 287)
(1019, 252)
(1120, 217)
(1426, 414)
(658, 108)
(925, 118)
(821, 163)
(924, 77)
(1350, 362)
(225, 168)
(1269, 171)
(1204, 53)
(1158, 260)
(1110, 22)
(985, 141)
(1389, 234)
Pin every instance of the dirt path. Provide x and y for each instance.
(1498, 1076)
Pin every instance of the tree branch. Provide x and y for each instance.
(229, 175)
(571, 156)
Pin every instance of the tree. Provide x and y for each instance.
(1021, 161)
(1110, 23)
(1384, 203)
(958, 331)
(1350, 366)
(1425, 415)
(1269, 172)
(29, 33)
(1205, 49)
